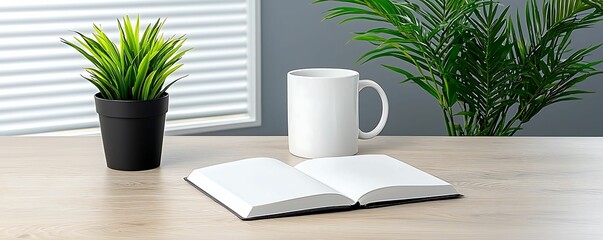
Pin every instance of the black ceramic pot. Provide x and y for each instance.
(132, 132)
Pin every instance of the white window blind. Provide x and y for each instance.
(41, 91)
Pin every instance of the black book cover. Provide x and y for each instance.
(328, 209)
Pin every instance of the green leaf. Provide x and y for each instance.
(417, 80)
(465, 113)
(146, 86)
(168, 86)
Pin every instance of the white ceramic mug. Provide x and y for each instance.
(323, 112)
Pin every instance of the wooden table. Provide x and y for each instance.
(515, 188)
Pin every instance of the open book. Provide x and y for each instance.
(263, 187)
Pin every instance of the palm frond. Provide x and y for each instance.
(554, 69)
(486, 87)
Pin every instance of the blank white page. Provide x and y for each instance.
(358, 175)
(246, 184)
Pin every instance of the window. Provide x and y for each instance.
(41, 91)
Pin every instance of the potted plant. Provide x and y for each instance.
(490, 73)
(131, 79)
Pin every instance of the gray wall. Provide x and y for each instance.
(293, 37)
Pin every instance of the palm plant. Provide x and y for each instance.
(490, 73)
(138, 69)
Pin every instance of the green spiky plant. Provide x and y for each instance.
(490, 72)
(138, 68)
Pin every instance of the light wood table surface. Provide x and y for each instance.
(515, 188)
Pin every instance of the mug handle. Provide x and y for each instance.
(384, 112)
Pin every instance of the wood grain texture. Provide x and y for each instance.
(515, 188)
